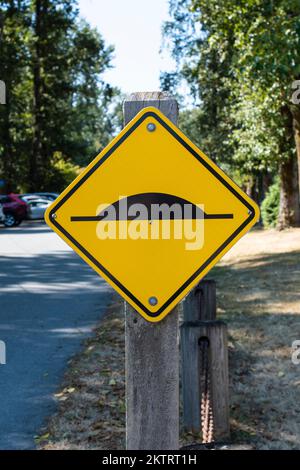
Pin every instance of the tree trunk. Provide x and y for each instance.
(36, 160)
(297, 140)
(289, 206)
(296, 128)
(267, 181)
(6, 138)
(289, 209)
(251, 186)
(8, 163)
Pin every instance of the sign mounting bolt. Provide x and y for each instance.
(151, 127)
(53, 216)
(153, 301)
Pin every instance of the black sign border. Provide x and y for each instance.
(100, 162)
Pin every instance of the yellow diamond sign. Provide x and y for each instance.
(152, 214)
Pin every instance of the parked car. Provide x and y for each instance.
(29, 197)
(15, 210)
(36, 208)
(2, 216)
(48, 196)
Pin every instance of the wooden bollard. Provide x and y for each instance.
(200, 304)
(152, 352)
(199, 315)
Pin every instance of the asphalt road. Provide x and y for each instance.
(49, 302)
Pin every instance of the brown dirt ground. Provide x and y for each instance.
(258, 292)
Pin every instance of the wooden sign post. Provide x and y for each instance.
(150, 178)
(152, 353)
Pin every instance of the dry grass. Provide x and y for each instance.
(259, 297)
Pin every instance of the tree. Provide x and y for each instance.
(205, 65)
(57, 101)
(93, 119)
(14, 115)
(268, 63)
(242, 60)
(68, 58)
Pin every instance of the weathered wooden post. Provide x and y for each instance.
(152, 354)
(200, 304)
(200, 323)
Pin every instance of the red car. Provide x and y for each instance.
(15, 210)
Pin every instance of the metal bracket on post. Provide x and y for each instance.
(200, 322)
(152, 352)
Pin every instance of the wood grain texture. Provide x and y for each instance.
(200, 303)
(137, 101)
(216, 332)
(152, 351)
(152, 382)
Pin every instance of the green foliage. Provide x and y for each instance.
(270, 206)
(15, 117)
(62, 173)
(190, 123)
(52, 64)
(240, 62)
(240, 58)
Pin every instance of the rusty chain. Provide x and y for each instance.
(207, 421)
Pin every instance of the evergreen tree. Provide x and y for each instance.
(15, 120)
(57, 104)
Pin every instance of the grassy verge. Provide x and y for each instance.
(258, 288)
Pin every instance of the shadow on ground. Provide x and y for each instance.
(49, 303)
(259, 298)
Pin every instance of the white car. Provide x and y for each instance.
(36, 208)
(30, 197)
(48, 196)
(2, 216)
